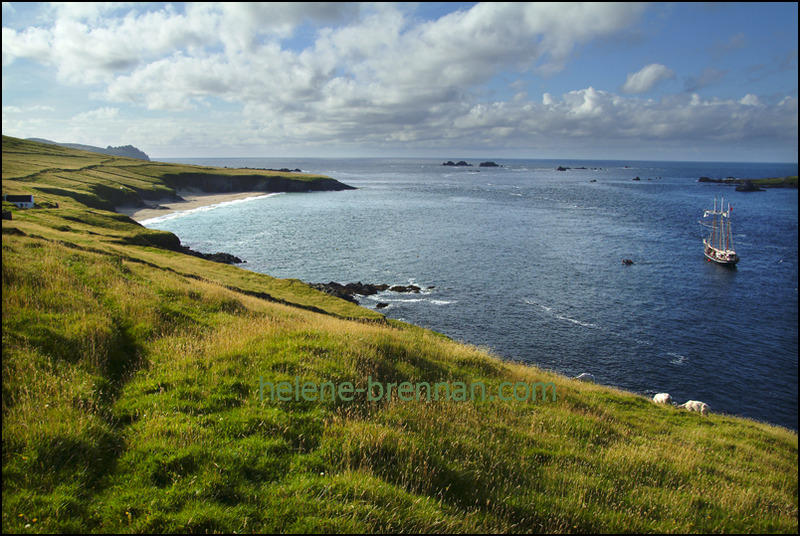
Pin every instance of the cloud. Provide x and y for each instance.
(100, 114)
(369, 75)
(646, 79)
(383, 55)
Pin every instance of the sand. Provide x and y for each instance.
(192, 200)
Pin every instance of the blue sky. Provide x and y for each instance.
(682, 81)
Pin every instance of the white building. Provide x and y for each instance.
(22, 201)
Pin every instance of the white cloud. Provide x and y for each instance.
(750, 100)
(370, 74)
(646, 78)
(382, 56)
(100, 114)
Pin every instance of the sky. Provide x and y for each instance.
(639, 81)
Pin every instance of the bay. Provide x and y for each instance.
(525, 260)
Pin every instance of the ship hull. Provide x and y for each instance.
(725, 258)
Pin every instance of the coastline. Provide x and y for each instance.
(191, 200)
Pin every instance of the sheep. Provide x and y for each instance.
(586, 377)
(662, 398)
(695, 405)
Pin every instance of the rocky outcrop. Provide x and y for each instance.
(128, 151)
(748, 186)
(726, 180)
(459, 163)
(489, 164)
(347, 292)
(224, 258)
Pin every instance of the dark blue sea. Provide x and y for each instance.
(527, 261)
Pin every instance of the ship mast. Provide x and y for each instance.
(714, 240)
(727, 224)
(728, 236)
(722, 236)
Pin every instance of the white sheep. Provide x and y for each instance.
(662, 398)
(695, 405)
(586, 377)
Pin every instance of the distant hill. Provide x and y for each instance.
(128, 151)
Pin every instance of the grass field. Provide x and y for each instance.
(777, 182)
(133, 378)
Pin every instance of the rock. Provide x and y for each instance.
(347, 292)
(488, 164)
(409, 288)
(748, 186)
(561, 168)
(382, 305)
(727, 180)
(128, 151)
(459, 163)
(224, 258)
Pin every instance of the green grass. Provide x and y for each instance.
(73, 178)
(777, 182)
(131, 403)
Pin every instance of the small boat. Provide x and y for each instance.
(718, 241)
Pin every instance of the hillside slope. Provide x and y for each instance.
(128, 151)
(142, 392)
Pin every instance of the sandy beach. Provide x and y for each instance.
(192, 200)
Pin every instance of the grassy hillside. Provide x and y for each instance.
(136, 385)
(776, 182)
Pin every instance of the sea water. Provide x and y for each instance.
(526, 260)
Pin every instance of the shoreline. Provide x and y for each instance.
(191, 200)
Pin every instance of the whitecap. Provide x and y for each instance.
(679, 359)
(560, 316)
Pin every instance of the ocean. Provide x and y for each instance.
(526, 261)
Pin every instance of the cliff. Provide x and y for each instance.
(29, 169)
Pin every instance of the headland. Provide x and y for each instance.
(131, 377)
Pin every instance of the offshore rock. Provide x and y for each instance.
(748, 186)
(348, 291)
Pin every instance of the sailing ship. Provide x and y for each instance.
(718, 242)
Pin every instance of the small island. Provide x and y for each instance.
(754, 185)
(462, 163)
